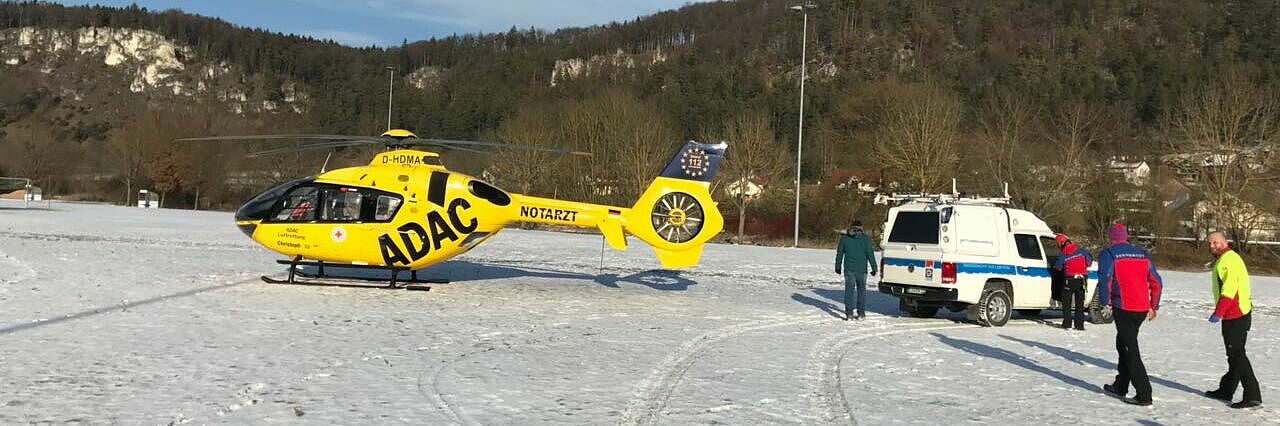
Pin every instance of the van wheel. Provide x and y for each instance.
(1099, 314)
(994, 308)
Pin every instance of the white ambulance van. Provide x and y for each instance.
(974, 255)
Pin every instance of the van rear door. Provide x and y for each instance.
(911, 251)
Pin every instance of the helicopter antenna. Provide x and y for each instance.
(600, 270)
(326, 161)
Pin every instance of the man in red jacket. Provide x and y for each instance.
(1127, 279)
(1074, 264)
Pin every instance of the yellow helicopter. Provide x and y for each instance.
(405, 211)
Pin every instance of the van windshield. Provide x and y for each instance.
(915, 228)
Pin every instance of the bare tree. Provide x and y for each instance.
(630, 140)
(533, 125)
(755, 153)
(919, 132)
(1006, 125)
(125, 154)
(1231, 129)
(36, 152)
(1047, 159)
(1065, 165)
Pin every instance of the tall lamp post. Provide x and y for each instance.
(804, 39)
(391, 87)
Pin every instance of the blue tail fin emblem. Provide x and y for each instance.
(696, 161)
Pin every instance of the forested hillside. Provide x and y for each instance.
(1040, 94)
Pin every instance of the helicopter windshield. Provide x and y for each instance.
(260, 207)
(324, 203)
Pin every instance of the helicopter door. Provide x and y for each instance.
(341, 204)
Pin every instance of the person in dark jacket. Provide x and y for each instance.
(1234, 309)
(1074, 264)
(1127, 280)
(854, 256)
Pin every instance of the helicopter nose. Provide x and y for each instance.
(247, 227)
(256, 210)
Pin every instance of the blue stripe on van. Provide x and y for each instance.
(981, 268)
(891, 261)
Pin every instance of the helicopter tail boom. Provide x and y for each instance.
(569, 213)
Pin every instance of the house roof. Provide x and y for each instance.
(859, 175)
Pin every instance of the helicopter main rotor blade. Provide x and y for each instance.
(314, 146)
(334, 141)
(279, 137)
(458, 148)
(449, 142)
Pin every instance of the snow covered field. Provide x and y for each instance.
(122, 315)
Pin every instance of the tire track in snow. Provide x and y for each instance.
(826, 390)
(653, 392)
(825, 393)
(432, 390)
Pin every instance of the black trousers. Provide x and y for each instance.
(1234, 334)
(1132, 371)
(1073, 300)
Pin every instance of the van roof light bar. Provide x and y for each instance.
(954, 198)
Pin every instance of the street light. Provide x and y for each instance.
(804, 39)
(391, 87)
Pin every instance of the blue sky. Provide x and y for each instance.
(387, 22)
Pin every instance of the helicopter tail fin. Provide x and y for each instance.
(676, 214)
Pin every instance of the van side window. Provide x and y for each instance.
(1051, 250)
(1028, 246)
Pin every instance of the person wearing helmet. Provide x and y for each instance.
(1074, 264)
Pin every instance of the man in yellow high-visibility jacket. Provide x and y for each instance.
(1234, 309)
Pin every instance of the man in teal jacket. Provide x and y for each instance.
(854, 256)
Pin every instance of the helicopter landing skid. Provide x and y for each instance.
(323, 280)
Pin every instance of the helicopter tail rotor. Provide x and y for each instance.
(676, 214)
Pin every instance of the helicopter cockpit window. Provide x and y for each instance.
(341, 205)
(299, 205)
(324, 203)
